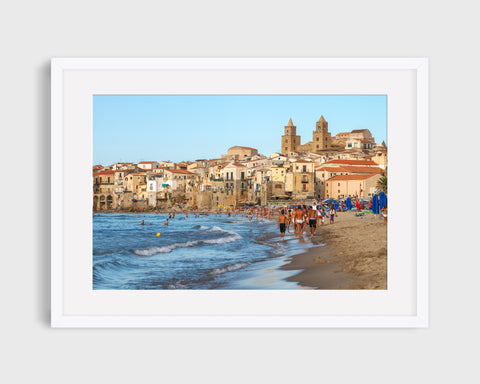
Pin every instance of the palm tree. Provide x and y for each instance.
(382, 184)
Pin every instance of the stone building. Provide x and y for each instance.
(239, 153)
(103, 190)
(148, 165)
(303, 179)
(235, 179)
(351, 186)
(321, 138)
(290, 140)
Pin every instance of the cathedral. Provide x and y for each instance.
(321, 138)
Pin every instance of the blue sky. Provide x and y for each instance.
(133, 128)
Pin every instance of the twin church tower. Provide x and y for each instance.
(321, 138)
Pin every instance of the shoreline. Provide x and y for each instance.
(354, 255)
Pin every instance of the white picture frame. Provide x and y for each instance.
(403, 304)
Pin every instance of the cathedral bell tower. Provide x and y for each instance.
(290, 141)
(321, 137)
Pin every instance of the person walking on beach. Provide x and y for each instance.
(282, 223)
(384, 214)
(299, 219)
(320, 214)
(289, 220)
(332, 214)
(357, 205)
(312, 220)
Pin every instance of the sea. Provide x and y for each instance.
(206, 251)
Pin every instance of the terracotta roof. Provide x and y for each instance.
(350, 177)
(239, 146)
(179, 171)
(303, 161)
(359, 130)
(360, 169)
(104, 173)
(290, 123)
(351, 162)
(238, 165)
(146, 162)
(331, 169)
(321, 119)
(220, 164)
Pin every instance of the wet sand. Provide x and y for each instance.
(354, 255)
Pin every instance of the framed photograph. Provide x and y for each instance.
(238, 193)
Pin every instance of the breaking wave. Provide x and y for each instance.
(232, 237)
(228, 268)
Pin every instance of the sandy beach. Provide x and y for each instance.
(354, 255)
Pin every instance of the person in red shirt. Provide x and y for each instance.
(357, 204)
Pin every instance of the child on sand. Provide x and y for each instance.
(281, 223)
(332, 214)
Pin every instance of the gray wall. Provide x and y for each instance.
(31, 32)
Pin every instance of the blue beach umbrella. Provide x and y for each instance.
(329, 201)
(375, 209)
(382, 200)
(349, 203)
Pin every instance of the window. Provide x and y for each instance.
(339, 185)
(317, 146)
(304, 168)
(338, 191)
(317, 140)
(151, 187)
(242, 176)
(304, 187)
(231, 175)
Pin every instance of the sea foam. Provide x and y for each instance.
(232, 237)
(229, 268)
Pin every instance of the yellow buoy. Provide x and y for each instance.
(159, 234)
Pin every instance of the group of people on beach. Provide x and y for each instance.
(299, 217)
(302, 215)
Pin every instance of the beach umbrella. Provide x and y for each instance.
(349, 203)
(375, 205)
(382, 200)
(329, 201)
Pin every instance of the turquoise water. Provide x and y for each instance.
(207, 252)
